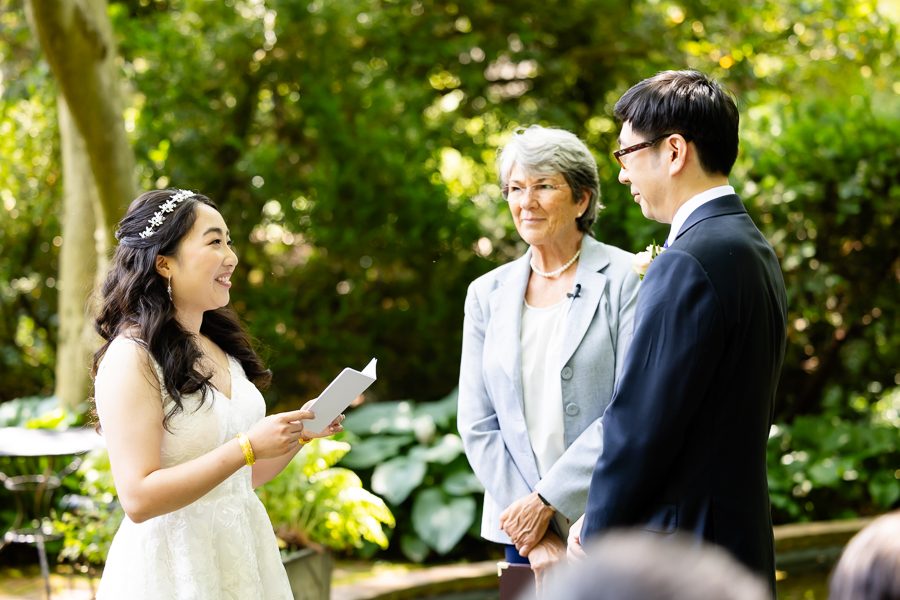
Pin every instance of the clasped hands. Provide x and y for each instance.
(525, 521)
(278, 434)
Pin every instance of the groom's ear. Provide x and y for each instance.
(676, 151)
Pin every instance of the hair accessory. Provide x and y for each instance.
(166, 207)
(247, 448)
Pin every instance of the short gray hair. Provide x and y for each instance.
(544, 150)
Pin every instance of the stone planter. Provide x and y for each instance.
(814, 546)
(309, 573)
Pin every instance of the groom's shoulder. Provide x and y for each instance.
(732, 251)
(723, 237)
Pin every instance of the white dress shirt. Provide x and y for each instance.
(685, 210)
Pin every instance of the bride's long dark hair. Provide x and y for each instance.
(135, 302)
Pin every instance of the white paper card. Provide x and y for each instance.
(338, 396)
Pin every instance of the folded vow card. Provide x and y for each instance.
(338, 396)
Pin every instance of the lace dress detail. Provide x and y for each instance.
(220, 547)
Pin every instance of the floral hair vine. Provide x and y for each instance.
(166, 207)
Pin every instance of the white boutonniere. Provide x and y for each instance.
(642, 260)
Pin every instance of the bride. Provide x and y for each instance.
(177, 400)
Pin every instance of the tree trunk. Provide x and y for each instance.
(77, 39)
(82, 243)
(98, 168)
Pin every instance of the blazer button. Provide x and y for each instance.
(567, 373)
(571, 409)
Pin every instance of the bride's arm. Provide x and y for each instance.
(266, 470)
(129, 400)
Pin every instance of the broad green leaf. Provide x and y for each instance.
(369, 452)
(462, 483)
(396, 478)
(824, 473)
(448, 448)
(442, 520)
(443, 411)
(381, 417)
(414, 548)
(885, 493)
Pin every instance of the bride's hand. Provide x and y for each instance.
(277, 435)
(333, 428)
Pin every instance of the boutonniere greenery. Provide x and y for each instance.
(643, 259)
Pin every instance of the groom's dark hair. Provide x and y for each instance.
(688, 103)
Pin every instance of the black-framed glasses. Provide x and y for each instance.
(620, 153)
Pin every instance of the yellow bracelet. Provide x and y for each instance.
(303, 442)
(247, 448)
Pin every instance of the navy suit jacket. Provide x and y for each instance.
(684, 438)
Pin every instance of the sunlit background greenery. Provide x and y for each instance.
(350, 145)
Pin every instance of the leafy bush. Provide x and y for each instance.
(314, 503)
(413, 457)
(90, 521)
(37, 412)
(827, 467)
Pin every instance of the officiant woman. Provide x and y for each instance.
(544, 339)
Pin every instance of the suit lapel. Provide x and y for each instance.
(593, 259)
(506, 315)
(725, 205)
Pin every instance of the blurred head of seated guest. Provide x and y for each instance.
(869, 568)
(637, 565)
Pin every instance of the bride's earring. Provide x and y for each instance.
(170, 288)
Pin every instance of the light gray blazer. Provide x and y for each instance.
(491, 407)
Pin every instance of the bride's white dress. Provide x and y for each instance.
(220, 547)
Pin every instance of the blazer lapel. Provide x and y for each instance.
(593, 259)
(725, 205)
(506, 316)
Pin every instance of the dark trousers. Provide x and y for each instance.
(513, 556)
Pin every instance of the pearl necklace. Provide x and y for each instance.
(553, 274)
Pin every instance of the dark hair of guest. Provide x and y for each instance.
(688, 103)
(869, 568)
(135, 302)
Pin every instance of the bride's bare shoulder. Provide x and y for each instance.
(127, 353)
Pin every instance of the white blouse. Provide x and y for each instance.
(542, 334)
(542, 330)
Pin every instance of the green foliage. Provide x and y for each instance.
(313, 502)
(30, 195)
(35, 413)
(91, 523)
(826, 192)
(413, 457)
(824, 467)
(350, 145)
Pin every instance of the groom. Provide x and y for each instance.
(684, 439)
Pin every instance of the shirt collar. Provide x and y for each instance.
(693, 204)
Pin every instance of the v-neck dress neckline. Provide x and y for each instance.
(230, 379)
